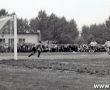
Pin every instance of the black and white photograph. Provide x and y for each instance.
(54, 44)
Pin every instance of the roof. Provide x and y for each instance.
(22, 33)
(28, 33)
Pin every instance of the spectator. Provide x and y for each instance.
(93, 45)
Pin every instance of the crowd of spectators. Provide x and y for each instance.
(54, 47)
(60, 48)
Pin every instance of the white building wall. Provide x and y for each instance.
(29, 38)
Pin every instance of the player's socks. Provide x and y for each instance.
(30, 55)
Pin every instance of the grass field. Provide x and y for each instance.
(55, 71)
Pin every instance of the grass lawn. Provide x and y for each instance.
(54, 74)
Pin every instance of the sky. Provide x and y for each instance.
(84, 12)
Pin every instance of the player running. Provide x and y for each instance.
(107, 46)
(36, 48)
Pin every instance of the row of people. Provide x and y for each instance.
(92, 47)
(93, 44)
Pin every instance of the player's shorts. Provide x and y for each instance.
(93, 47)
(34, 49)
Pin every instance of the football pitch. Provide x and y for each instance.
(55, 71)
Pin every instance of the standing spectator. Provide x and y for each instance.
(93, 45)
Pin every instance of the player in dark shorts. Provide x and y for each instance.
(39, 49)
(35, 49)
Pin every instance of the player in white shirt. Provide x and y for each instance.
(93, 45)
(107, 46)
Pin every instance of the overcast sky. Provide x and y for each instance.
(85, 12)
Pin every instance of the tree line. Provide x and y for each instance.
(100, 32)
(52, 27)
(58, 29)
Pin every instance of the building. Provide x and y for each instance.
(31, 38)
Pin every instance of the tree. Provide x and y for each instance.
(97, 32)
(3, 12)
(23, 25)
(107, 22)
(54, 28)
(85, 33)
(73, 29)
